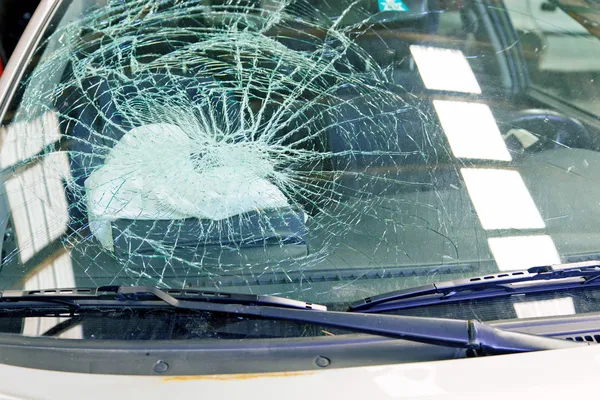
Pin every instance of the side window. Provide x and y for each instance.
(562, 55)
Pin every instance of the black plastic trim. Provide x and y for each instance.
(213, 356)
(252, 355)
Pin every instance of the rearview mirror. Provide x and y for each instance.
(375, 11)
(400, 10)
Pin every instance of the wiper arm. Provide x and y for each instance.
(203, 300)
(476, 337)
(533, 280)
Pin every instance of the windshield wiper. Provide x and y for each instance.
(478, 338)
(533, 280)
(203, 300)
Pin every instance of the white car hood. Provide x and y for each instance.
(570, 373)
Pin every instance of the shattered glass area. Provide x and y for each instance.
(322, 150)
(232, 143)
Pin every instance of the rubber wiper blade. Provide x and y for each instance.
(533, 280)
(206, 300)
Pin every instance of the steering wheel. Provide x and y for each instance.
(535, 130)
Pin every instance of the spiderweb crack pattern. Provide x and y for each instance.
(224, 136)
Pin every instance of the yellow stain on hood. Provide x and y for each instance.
(236, 377)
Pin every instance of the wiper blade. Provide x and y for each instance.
(478, 338)
(532, 280)
(204, 300)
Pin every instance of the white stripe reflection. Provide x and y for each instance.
(445, 69)
(25, 139)
(501, 199)
(545, 308)
(39, 204)
(522, 252)
(471, 130)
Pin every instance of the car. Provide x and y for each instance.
(267, 198)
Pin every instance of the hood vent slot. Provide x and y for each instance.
(585, 338)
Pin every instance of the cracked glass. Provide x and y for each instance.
(324, 150)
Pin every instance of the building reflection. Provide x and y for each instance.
(57, 273)
(38, 210)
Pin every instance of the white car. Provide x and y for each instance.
(294, 198)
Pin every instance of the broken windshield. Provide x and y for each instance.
(316, 149)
